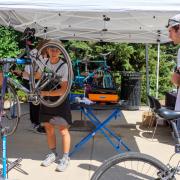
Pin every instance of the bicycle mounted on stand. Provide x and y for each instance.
(10, 114)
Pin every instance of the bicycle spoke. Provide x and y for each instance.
(132, 166)
(51, 74)
(11, 110)
(130, 173)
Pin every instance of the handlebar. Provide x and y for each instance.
(15, 61)
(105, 54)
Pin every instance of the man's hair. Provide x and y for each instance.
(176, 28)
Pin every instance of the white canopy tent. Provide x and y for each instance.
(135, 21)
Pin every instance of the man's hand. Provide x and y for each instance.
(17, 72)
(57, 92)
(51, 93)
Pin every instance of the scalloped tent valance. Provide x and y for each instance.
(133, 21)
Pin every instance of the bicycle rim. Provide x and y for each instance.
(54, 102)
(129, 166)
(11, 110)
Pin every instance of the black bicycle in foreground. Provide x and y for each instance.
(138, 166)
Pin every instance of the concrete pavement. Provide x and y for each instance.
(33, 148)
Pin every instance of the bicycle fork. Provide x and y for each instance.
(4, 155)
(3, 130)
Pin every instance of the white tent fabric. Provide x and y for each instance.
(136, 21)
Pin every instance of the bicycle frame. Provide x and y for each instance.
(34, 88)
(31, 91)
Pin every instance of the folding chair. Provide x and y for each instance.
(151, 105)
(156, 106)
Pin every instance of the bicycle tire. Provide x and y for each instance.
(107, 169)
(11, 110)
(47, 102)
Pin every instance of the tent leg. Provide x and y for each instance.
(157, 71)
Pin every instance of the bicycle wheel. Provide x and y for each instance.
(11, 110)
(51, 80)
(129, 166)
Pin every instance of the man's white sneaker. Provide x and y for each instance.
(63, 164)
(50, 158)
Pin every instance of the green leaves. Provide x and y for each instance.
(8, 43)
(123, 57)
(131, 57)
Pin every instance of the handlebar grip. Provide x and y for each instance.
(23, 61)
(7, 60)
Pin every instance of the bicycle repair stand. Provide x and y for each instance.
(7, 165)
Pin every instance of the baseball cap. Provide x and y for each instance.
(173, 21)
(52, 47)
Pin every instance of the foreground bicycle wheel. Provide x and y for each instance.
(129, 166)
(11, 110)
(50, 78)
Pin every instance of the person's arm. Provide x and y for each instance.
(58, 92)
(178, 60)
(22, 74)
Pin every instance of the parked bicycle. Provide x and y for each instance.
(134, 165)
(101, 77)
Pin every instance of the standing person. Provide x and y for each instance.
(34, 109)
(174, 35)
(60, 116)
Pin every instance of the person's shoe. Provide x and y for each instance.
(63, 164)
(50, 158)
(39, 129)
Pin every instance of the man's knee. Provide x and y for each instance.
(49, 128)
(64, 131)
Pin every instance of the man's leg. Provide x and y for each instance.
(51, 137)
(34, 113)
(51, 140)
(66, 141)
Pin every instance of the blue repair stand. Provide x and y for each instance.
(119, 145)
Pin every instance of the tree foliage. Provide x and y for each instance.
(8, 42)
(123, 57)
(131, 57)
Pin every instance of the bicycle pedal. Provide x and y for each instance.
(177, 148)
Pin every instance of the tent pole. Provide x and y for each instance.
(147, 71)
(157, 71)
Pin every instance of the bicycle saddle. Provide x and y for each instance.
(85, 61)
(105, 54)
(168, 114)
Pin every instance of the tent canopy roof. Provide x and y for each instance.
(135, 21)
